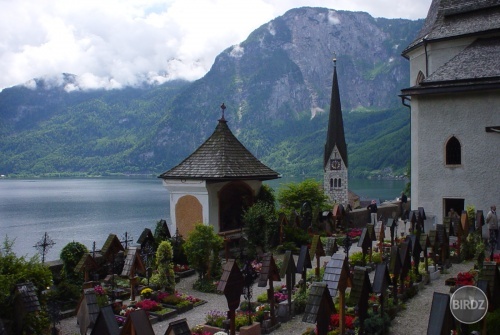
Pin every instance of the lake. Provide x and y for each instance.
(88, 210)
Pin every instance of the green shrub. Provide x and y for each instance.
(376, 325)
(300, 300)
(262, 298)
(357, 258)
(165, 276)
(296, 235)
(261, 225)
(70, 255)
(202, 249)
(172, 299)
(376, 257)
(241, 320)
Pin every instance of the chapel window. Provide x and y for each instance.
(453, 152)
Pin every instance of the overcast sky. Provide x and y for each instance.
(114, 43)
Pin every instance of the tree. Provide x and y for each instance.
(165, 276)
(202, 249)
(70, 255)
(292, 196)
(15, 270)
(260, 226)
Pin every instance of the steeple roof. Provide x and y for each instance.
(335, 135)
(221, 157)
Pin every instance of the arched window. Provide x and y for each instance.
(335, 182)
(340, 182)
(420, 78)
(453, 152)
(331, 182)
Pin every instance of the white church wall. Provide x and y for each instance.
(434, 120)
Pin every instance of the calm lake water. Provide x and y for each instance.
(88, 210)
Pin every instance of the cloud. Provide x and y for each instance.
(115, 43)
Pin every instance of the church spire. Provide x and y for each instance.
(335, 135)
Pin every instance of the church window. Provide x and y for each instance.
(331, 183)
(420, 77)
(453, 152)
(335, 182)
(339, 184)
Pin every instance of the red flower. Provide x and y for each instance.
(147, 305)
(335, 321)
(464, 278)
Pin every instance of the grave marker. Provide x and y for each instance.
(105, 323)
(304, 263)
(338, 279)
(319, 307)
(288, 270)
(137, 323)
(381, 282)
(269, 273)
(179, 327)
(318, 251)
(133, 265)
(231, 284)
(440, 319)
(360, 293)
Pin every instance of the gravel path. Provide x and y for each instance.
(412, 320)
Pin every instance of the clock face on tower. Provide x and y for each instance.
(335, 164)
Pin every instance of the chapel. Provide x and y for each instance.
(215, 184)
(454, 99)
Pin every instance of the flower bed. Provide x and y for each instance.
(183, 271)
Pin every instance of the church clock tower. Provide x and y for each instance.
(335, 158)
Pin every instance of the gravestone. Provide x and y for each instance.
(416, 250)
(133, 265)
(86, 264)
(269, 273)
(365, 243)
(331, 246)
(479, 219)
(421, 219)
(360, 293)
(317, 251)
(440, 317)
(88, 310)
(112, 246)
(492, 275)
(381, 282)
(25, 303)
(179, 327)
(338, 279)
(444, 245)
(105, 323)
(231, 284)
(137, 323)
(304, 263)
(395, 269)
(464, 220)
(405, 254)
(391, 224)
(288, 270)
(319, 307)
(425, 243)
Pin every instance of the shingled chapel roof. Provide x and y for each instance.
(221, 157)
(455, 18)
(475, 67)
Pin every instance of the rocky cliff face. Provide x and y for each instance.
(289, 62)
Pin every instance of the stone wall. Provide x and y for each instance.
(360, 217)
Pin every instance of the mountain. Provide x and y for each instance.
(276, 85)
